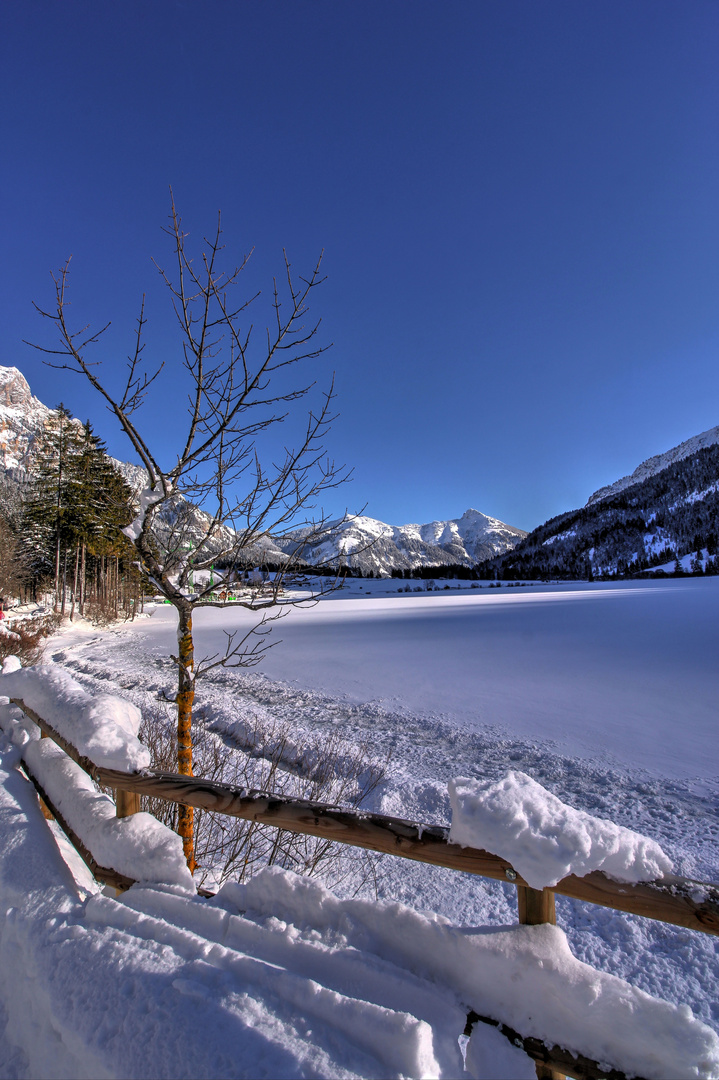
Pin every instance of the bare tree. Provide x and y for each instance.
(240, 384)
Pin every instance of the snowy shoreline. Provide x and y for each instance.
(429, 748)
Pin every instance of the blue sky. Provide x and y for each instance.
(517, 203)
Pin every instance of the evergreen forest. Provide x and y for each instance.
(60, 525)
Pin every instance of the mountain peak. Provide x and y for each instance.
(14, 388)
(21, 417)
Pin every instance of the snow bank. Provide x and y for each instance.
(86, 997)
(140, 846)
(543, 838)
(102, 727)
(281, 978)
(523, 976)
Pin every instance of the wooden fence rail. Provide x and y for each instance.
(676, 900)
(679, 901)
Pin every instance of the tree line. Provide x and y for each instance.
(60, 527)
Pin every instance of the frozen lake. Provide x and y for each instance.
(625, 672)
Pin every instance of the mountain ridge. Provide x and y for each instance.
(359, 542)
(657, 463)
(665, 511)
(367, 544)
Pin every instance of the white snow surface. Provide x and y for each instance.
(482, 968)
(545, 839)
(102, 727)
(284, 979)
(605, 694)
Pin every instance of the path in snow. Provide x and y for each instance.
(582, 636)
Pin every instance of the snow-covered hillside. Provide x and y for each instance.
(366, 544)
(654, 465)
(667, 510)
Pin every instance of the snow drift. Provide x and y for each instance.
(102, 728)
(545, 839)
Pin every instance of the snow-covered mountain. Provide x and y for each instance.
(22, 416)
(360, 542)
(668, 509)
(365, 544)
(656, 464)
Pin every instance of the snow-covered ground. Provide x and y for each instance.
(606, 694)
(622, 671)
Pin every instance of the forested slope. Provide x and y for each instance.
(660, 519)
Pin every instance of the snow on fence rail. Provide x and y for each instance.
(672, 899)
(679, 901)
(121, 853)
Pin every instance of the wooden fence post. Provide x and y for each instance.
(127, 803)
(537, 906)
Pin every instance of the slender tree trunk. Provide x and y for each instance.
(74, 583)
(83, 582)
(185, 698)
(57, 573)
(64, 583)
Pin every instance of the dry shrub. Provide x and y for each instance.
(26, 638)
(100, 612)
(228, 848)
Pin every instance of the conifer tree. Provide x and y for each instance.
(47, 525)
(76, 503)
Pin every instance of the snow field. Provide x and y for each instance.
(626, 671)
(86, 997)
(429, 749)
(285, 979)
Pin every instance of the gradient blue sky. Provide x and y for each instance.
(517, 201)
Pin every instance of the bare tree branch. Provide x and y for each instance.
(217, 502)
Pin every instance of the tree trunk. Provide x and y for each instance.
(57, 572)
(74, 583)
(185, 698)
(64, 584)
(83, 582)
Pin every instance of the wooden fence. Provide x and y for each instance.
(675, 900)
